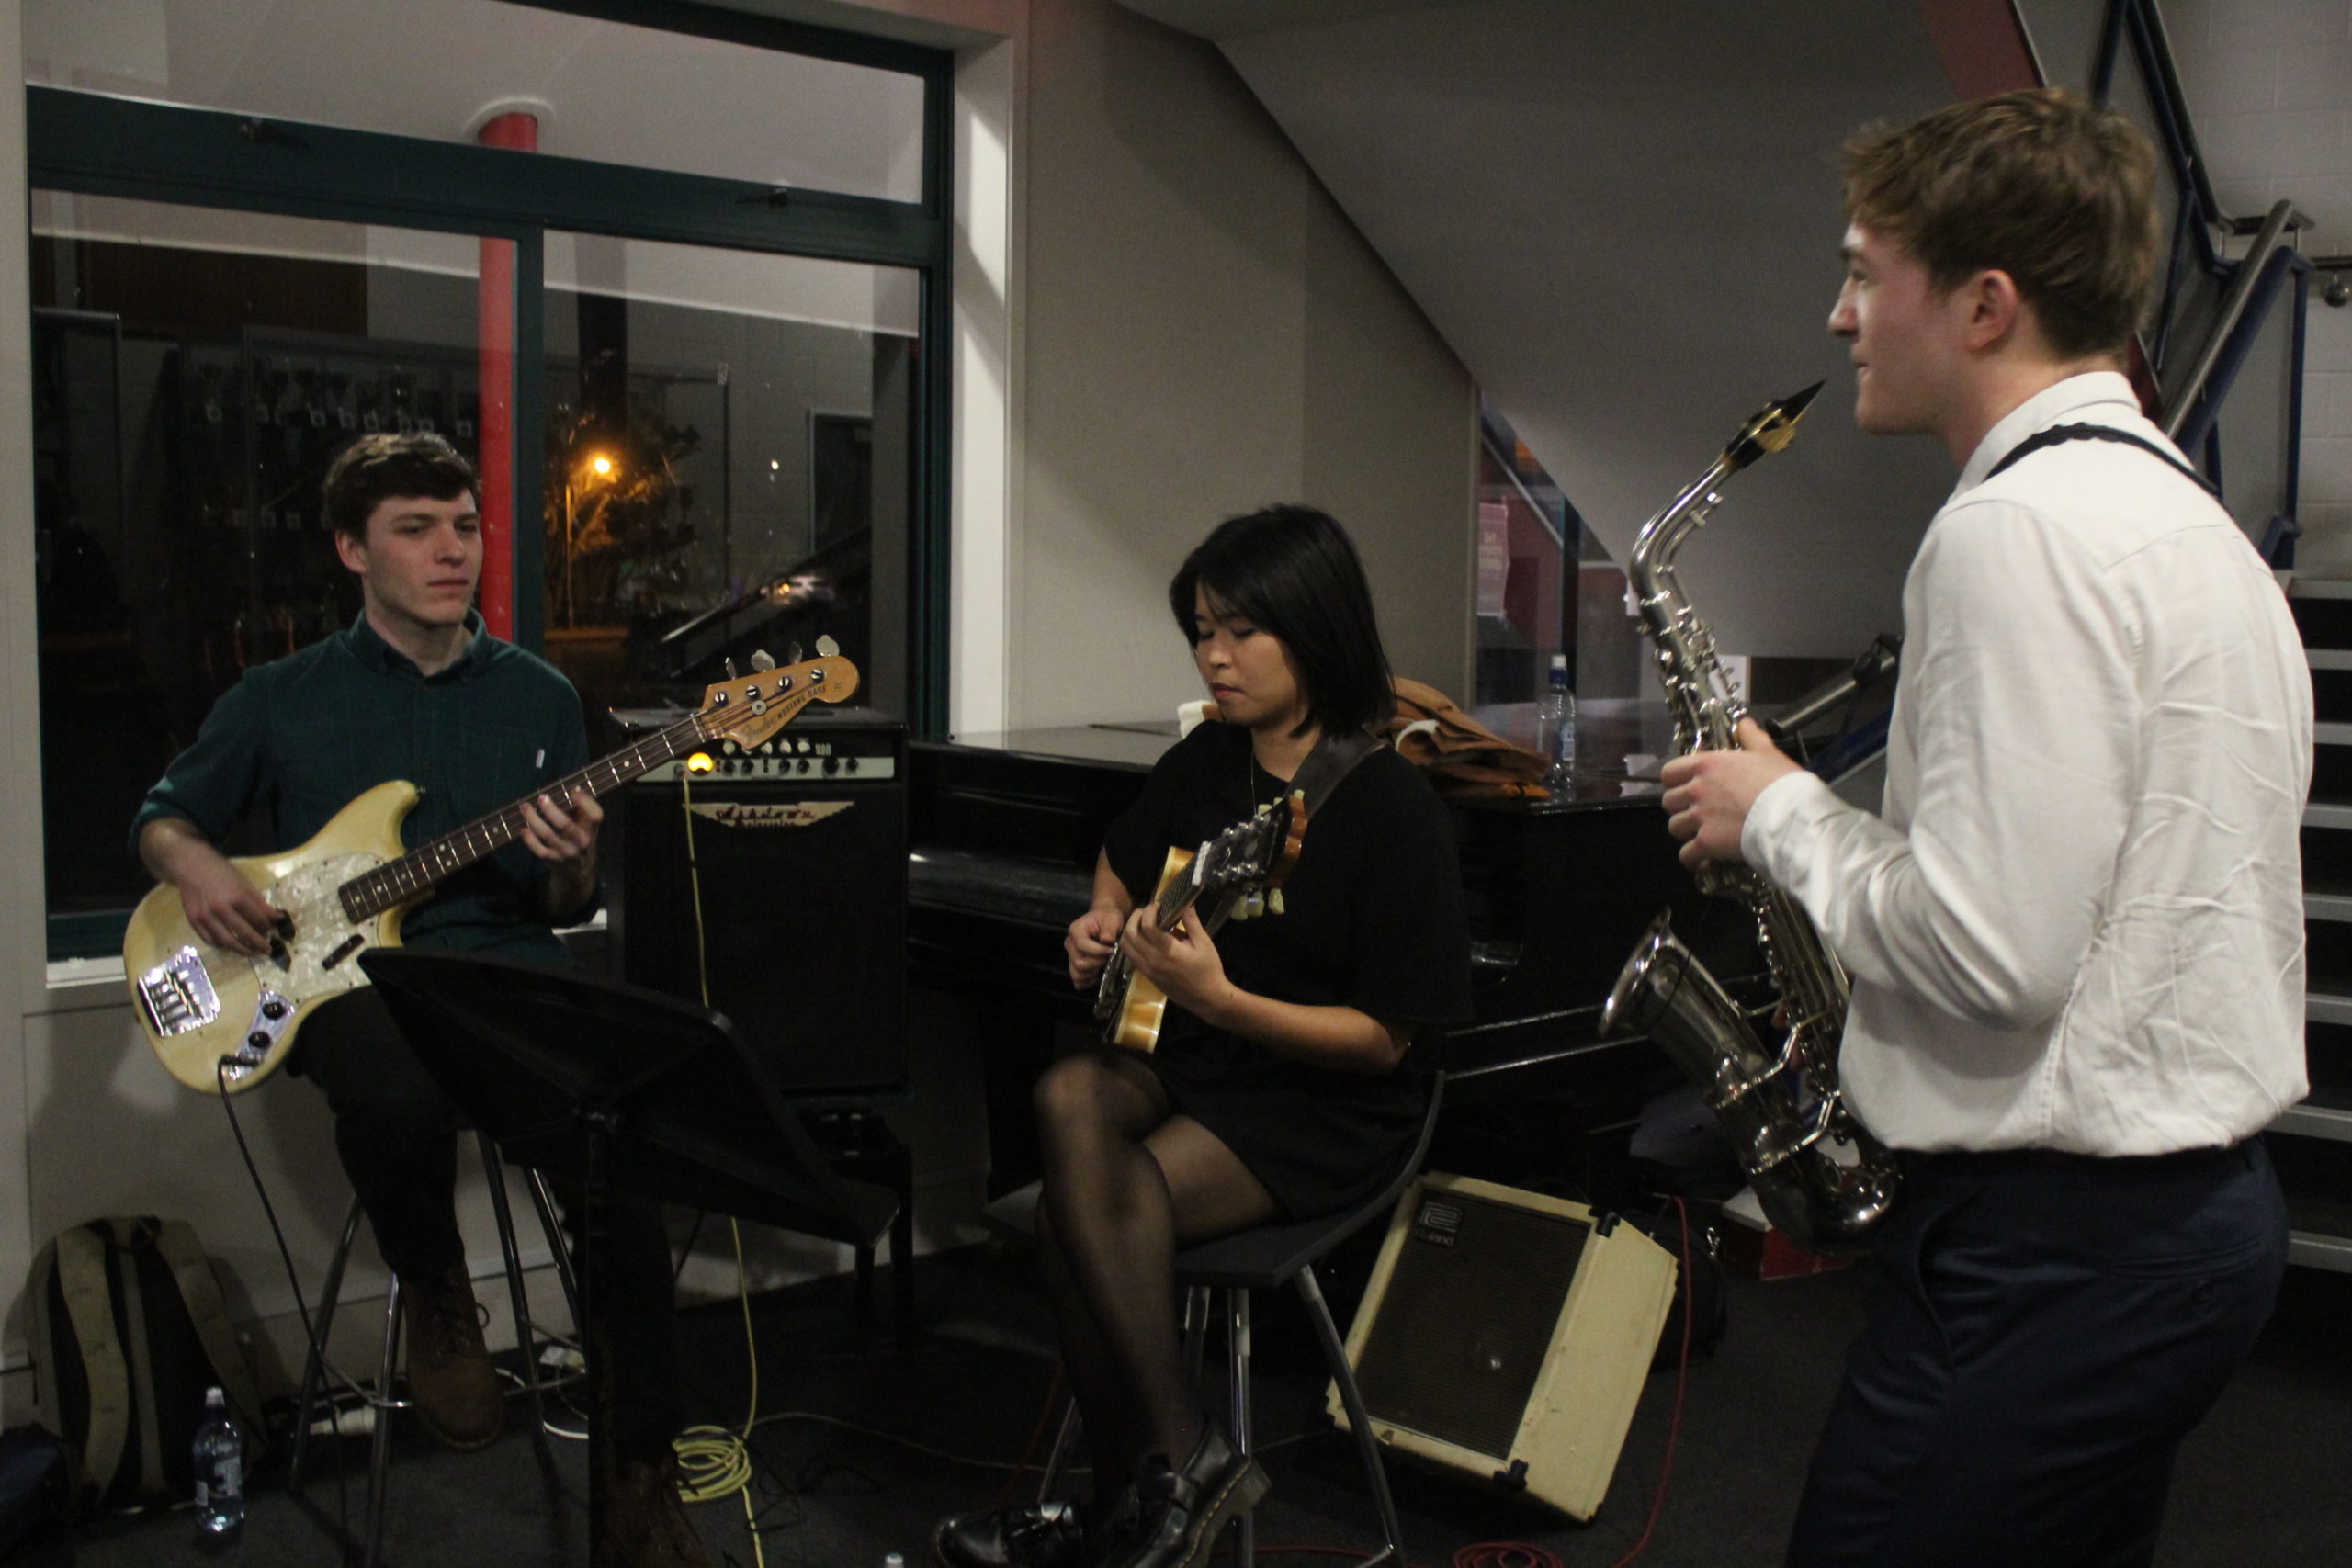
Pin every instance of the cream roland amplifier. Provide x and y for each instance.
(1506, 1336)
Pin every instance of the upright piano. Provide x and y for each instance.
(1003, 831)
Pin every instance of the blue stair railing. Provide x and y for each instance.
(2249, 286)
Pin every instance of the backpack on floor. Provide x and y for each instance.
(128, 1332)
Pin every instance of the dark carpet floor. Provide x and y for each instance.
(861, 1446)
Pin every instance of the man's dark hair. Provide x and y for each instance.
(374, 468)
(1291, 572)
(2054, 190)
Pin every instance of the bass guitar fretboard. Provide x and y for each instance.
(396, 882)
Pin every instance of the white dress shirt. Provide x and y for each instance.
(2078, 923)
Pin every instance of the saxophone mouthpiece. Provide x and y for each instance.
(1774, 427)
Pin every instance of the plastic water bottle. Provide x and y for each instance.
(219, 1468)
(1555, 725)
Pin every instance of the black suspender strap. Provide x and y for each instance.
(2058, 435)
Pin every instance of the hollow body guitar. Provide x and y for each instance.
(1227, 876)
(218, 1020)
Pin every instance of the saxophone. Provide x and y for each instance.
(1782, 1109)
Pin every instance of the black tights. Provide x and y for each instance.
(1127, 1182)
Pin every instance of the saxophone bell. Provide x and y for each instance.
(1789, 1134)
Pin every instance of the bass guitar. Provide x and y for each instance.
(219, 1021)
(1232, 873)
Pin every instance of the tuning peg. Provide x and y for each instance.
(730, 668)
(762, 661)
(793, 649)
(826, 648)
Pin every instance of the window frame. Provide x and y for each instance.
(91, 144)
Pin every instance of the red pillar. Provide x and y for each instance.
(494, 333)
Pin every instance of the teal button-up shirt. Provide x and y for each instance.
(308, 733)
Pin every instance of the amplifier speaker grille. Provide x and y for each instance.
(1506, 1336)
(1468, 1317)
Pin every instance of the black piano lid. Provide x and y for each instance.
(1135, 746)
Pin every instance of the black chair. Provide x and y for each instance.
(1265, 1258)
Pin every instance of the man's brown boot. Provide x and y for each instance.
(449, 1374)
(645, 1520)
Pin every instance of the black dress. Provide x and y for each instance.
(1373, 921)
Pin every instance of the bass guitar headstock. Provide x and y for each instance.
(748, 711)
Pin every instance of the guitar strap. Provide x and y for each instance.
(1335, 756)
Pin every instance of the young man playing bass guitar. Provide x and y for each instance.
(416, 689)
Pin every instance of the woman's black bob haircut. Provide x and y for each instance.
(1292, 571)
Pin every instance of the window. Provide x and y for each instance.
(223, 296)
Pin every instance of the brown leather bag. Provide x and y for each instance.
(1462, 756)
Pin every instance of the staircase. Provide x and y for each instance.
(2312, 1143)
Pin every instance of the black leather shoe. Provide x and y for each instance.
(1020, 1535)
(1184, 1510)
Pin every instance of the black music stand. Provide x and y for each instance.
(610, 1086)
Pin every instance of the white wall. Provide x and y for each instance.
(2270, 84)
(1204, 333)
(1624, 218)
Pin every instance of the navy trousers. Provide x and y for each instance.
(2043, 1330)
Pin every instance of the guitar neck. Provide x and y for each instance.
(397, 882)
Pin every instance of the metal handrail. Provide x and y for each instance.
(2252, 283)
(2250, 272)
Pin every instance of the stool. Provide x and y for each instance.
(382, 1402)
(1263, 1258)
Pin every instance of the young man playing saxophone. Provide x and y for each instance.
(2075, 931)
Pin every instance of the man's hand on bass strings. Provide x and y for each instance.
(558, 836)
(225, 910)
(1708, 794)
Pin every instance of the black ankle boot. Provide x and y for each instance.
(1183, 1510)
(1020, 1535)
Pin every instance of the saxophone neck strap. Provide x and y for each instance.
(2059, 434)
(1335, 756)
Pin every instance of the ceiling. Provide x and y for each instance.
(435, 68)
(1625, 219)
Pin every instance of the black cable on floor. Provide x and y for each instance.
(301, 1307)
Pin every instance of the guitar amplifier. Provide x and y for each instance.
(800, 851)
(1506, 1336)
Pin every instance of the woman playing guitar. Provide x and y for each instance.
(1285, 1083)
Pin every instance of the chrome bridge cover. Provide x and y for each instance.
(176, 994)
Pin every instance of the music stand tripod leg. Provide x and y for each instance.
(527, 1341)
(597, 1124)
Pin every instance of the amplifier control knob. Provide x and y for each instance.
(833, 764)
